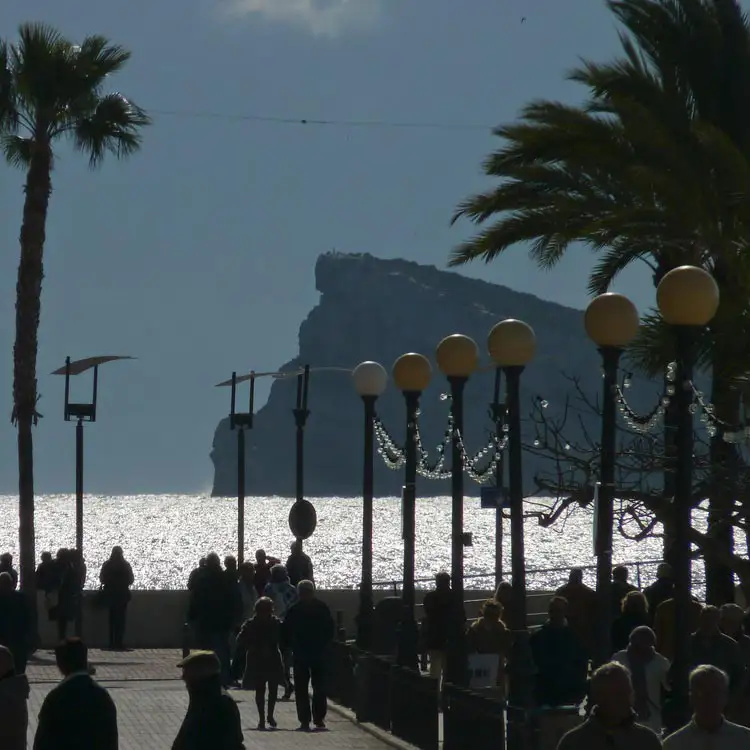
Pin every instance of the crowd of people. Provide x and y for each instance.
(266, 628)
(642, 639)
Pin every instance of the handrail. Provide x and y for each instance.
(394, 584)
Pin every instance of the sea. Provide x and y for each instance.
(163, 537)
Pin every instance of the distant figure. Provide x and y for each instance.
(261, 637)
(78, 712)
(649, 672)
(116, 577)
(66, 595)
(661, 589)
(664, 625)
(708, 729)
(583, 609)
(634, 614)
(299, 565)
(732, 617)
(15, 622)
(611, 723)
(489, 635)
(6, 566)
(309, 629)
(14, 713)
(247, 590)
(443, 625)
(708, 645)
(212, 612)
(620, 588)
(46, 579)
(195, 574)
(212, 721)
(263, 564)
(504, 596)
(560, 659)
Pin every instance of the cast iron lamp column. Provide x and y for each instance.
(457, 357)
(512, 345)
(688, 298)
(370, 380)
(411, 374)
(611, 322)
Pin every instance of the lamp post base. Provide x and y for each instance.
(364, 621)
(521, 690)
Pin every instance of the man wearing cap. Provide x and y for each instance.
(212, 721)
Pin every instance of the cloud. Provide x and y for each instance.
(320, 17)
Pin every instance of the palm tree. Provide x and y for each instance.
(654, 167)
(51, 90)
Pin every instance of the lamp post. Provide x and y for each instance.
(241, 421)
(370, 380)
(302, 516)
(688, 298)
(512, 345)
(411, 374)
(497, 410)
(611, 322)
(457, 357)
(81, 412)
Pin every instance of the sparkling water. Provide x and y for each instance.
(163, 536)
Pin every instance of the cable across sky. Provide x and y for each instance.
(312, 121)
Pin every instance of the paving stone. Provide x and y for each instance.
(151, 703)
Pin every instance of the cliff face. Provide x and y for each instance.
(379, 309)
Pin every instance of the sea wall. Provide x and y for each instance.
(156, 618)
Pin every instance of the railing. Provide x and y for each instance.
(374, 693)
(530, 572)
(342, 686)
(415, 708)
(472, 720)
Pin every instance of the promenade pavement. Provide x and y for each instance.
(151, 703)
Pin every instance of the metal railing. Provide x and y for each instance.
(472, 720)
(639, 565)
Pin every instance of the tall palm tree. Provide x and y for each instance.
(655, 166)
(51, 90)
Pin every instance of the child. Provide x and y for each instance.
(261, 636)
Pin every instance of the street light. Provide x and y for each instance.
(241, 421)
(81, 412)
(302, 516)
(512, 345)
(370, 380)
(611, 322)
(688, 298)
(411, 374)
(457, 357)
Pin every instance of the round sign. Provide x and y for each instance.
(303, 519)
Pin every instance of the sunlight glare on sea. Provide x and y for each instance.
(164, 535)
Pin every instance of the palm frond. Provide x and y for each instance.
(17, 150)
(113, 127)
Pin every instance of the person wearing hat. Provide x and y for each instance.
(212, 721)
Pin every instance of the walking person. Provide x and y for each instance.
(263, 565)
(281, 592)
(649, 672)
(709, 729)
(612, 724)
(78, 713)
(634, 614)
(116, 577)
(14, 712)
(309, 629)
(212, 720)
(248, 596)
(261, 638)
(15, 622)
(444, 622)
(64, 609)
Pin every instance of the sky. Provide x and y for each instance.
(197, 255)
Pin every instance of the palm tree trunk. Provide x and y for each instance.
(28, 303)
